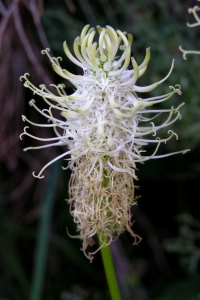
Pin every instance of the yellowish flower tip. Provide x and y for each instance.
(194, 11)
(104, 127)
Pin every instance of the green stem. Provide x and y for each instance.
(110, 272)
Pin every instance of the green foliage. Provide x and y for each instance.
(186, 243)
(182, 290)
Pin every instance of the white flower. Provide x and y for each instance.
(192, 10)
(104, 124)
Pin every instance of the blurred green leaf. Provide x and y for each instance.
(182, 290)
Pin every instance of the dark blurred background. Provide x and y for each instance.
(38, 260)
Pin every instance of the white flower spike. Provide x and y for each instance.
(103, 127)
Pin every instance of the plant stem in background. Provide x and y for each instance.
(43, 236)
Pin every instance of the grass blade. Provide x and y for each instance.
(43, 235)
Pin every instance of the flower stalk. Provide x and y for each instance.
(109, 270)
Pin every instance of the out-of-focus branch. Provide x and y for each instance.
(2, 8)
(152, 239)
(7, 13)
(19, 53)
(70, 6)
(27, 47)
(32, 6)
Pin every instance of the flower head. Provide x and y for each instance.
(104, 124)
